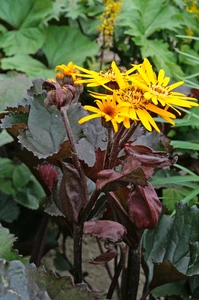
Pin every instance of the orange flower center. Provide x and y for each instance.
(134, 96)
(157, 90)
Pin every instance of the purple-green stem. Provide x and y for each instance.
(39, 244)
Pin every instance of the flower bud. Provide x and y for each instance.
(49, 175)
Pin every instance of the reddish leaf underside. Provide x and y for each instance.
(144, 207)
(104, 258)
(70, 197)
(105, 230)
(110, 180)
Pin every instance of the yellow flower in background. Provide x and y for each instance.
(108, 20)
(66, 70)
(101, 78)
(192, 6)
(108, 110)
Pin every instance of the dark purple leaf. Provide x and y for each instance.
(70, 198)
(134, 234)
(104, 258)
(110, 180)
(148, 157)
(144, 207)
(93, 171)
(105, 230)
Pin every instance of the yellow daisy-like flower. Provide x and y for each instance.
(157, 90)
(109, 110)
(146, 94)
(66, 70)
(101, 78)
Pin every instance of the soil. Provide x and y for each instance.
(97, 276)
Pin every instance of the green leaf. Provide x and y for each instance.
(30, 195)
(9, 211)
(24, 13)
(26, 64)
(173, 244)
(5, 138)
(6, 242)
(161, 56)
(46, 132)
(25, 40)
(13, 90)
(21, 176)
(27, 282)
(174, 180)
(184, 145)
(173, 195)
(14, 118)
(64, 44)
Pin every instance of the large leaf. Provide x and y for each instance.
(65, 44)
(27, 282)
(6, 242)
(173, 245)
(26, 64)
(24, 13)
(148, 17)
(13, 90)
(46, 134)
(25, 18)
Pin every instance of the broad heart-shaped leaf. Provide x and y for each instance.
(9, 210)
(13, 90)
(105, 230)
(174, 240)
(144, 207)
(24, 40)
(71, 195)
(24, 13)
(110, 180)
(46, 133)
(25, 18)
(27, 64)
(64, 44)
(6, 242)
(28, 282)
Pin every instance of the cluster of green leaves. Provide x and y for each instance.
(152, 32)
(34, 40)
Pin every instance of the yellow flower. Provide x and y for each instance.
(156, 88)
(101, 78)
(108, 18)
(109, 110)
(147, 94)
(66, 70)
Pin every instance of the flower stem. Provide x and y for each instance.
(77, 252)
(117, 272)
(74, 153)
(133, 273)
(115, 147)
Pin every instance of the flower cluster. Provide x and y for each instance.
(134, 96)
(108, 19)
(192, 7)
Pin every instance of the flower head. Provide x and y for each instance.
(101, 78)
(66, 70)
(157, 89)
(108, 110)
